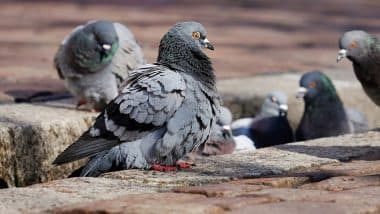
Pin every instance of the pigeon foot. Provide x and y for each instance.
(183, 165)
(81, 102)
(161, 168)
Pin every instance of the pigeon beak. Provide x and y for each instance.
(301, 92)
(227, 127)
(283, 107)
(207, 44)
(106, 47)
(227, 131)
(341, 54)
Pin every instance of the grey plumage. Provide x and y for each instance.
(363, 50)
(164, 111)
(95, 58)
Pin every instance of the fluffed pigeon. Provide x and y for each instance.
(164, 111)
(271, 126)
(324, 114)
(363, 50)
(95, 58)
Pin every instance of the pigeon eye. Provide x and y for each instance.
(273, 99)
(313, 84)
(353, 44)
(196, 35)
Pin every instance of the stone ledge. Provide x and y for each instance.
(280, 165)
(31, 136)
(268, 195)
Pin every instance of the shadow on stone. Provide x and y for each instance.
(3, 184)
(334, 152)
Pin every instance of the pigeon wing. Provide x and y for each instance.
(150, 98)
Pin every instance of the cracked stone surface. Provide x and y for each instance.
(269, 179)
(32, 136)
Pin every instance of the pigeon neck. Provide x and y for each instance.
(185, 59)
(326, 101)
(366, 68)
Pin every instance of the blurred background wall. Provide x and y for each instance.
(250, 36)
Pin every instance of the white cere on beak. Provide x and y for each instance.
(284, 107)
(341, 54)
(206, 41)
(301, 92)
(106, 46)
(227, 127)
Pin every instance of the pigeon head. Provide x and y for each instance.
(194, 34)
(182, 48)
(275, 104)
(315, 84)
(354, 45)
(94, 46)
(189, 34)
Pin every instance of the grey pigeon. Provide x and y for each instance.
(95, 58)
(271, 126)
(363, 50)
(165, 110)
(324, 114)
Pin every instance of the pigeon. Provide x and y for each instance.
(363, 50)
(271, 126)
(95, 58)
(164, 111)
(324, 114)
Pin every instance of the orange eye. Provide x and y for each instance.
(353, 44)
(313, 84)
(196, 35)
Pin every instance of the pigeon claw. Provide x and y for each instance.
(97, 109)
(183, 165)
(161, 168)
(81, 102)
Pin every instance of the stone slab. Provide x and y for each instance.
(147, 203)
(341, 183)
(50, 195)
(209, 177)
(31, 136)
